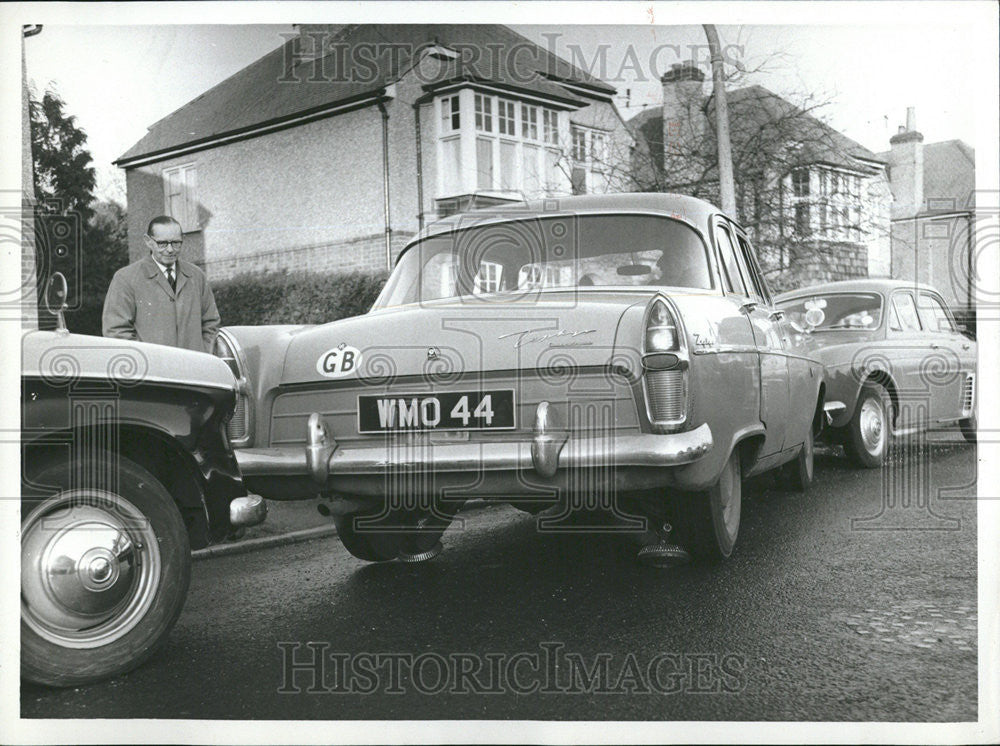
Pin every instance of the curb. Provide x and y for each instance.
(264, 542)
(292, 537)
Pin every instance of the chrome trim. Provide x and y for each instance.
(550, 436)
(256, 462)
(834, 407)
(683, 357)
(646, 449)
(722, 349)
(247, 511)
(243, 389)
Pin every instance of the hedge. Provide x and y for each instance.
(295, 297)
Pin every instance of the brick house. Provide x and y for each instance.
(933, 212)
(334, 149)
(816, 202)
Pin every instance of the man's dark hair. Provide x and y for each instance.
(159, 220)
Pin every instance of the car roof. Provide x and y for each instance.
(690, 209)
(868, 285)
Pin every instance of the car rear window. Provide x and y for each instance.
(551, 252)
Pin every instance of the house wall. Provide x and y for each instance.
(935, 251)
(308, 197)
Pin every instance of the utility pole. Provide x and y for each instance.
(726, 189)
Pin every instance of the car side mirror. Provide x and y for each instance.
(56, 291)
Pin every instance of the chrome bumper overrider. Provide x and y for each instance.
(549, 449)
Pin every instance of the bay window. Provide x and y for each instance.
(501, 145)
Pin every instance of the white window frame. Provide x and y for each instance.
(501, 120)
(188, 217)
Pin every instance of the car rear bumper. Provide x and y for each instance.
(549, 450)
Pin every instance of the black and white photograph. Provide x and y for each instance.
(484, 372)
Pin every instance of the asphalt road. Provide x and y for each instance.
(812, 619)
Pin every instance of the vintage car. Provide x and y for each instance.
(125, 468)
(616, 354)
(896, 362)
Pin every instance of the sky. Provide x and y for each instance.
(118, 80)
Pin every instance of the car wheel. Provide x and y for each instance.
(969, 428)
(798, 473)
(868, 432)
(364, 542)
(104, 573)
(712, 517)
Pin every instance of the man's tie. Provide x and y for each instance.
(171, 279)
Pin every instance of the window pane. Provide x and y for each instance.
(579, 144)
(800, 182)
(484, 163)
(529, 122)
(508, 165)
(449, 114)
(802, 219)
(451, 162)
(933, 314)
(505, 117)
(906, 311)
(484, 113)
(835, 311)
(553, 174)
(532, 179)
(190, 221)
(551, 127)
(730, 266)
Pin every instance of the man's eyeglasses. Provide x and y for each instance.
(165, 244)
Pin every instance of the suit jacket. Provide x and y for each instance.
(140, 305)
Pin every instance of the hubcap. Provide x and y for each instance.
(90, 568)
(871, 422)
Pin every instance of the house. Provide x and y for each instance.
(330, 152)
(933, 212)
(815, 202)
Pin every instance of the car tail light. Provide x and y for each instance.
(238, 429)
(665, 368)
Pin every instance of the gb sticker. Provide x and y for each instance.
(340, 361)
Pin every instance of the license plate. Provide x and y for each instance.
(457, 410)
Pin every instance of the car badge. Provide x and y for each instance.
(432, 353)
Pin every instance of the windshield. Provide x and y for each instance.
(834, 311)
(562, 251)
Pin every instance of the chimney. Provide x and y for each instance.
(683, 118)
(906, 168)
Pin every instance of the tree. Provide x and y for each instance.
(63, 174)
(83, 239)
(794, 176)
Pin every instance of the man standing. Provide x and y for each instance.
(161, 299)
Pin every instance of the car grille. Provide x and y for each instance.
(968, 394)
(237, 427)
(665, 389)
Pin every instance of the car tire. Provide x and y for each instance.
(364, 543)
(711, 518)
(132, 560)
(969, 427)
(869, 433)
(798, 473)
